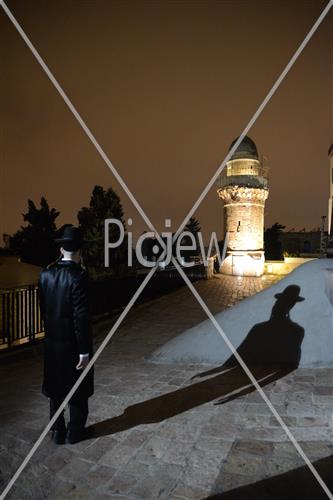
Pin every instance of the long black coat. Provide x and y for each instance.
(64, 303)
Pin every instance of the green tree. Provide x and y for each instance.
(193, 226)
(104, 204)
(273, 245)
(35, 242)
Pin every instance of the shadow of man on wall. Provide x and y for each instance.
(271, 350)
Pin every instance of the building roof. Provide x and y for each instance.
(246, 149)
(14, 274)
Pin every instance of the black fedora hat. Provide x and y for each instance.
(290, 293)
(71, 238)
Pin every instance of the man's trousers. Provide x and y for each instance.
(78, 414)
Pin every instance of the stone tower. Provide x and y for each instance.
(330, 199)
(243, 187)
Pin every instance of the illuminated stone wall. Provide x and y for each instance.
(330, 200)
(244, 221)
(244, 217)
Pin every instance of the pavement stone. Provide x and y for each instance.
(207, 449)
(183, 491)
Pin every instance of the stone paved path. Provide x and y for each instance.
(147, 446)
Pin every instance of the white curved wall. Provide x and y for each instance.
(203, 343)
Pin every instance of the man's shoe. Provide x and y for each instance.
(59, 437)
(74, 436)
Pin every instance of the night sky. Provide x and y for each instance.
(165, 86)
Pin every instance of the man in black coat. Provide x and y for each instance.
(64, 303)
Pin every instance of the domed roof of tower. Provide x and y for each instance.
(246, 149)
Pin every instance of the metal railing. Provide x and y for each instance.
(246, 169)
(108, 295)
(20, 318)
(251, 175)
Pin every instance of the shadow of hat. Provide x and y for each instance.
(290, 293)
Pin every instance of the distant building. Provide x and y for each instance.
(243, 187)
(300, 242)
(15, 274)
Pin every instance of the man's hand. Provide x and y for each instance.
(84, 360)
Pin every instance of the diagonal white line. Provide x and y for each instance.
(77, 383)
(253, 379)
(80, 120)
(197, 204)
(140, 210)
(135, 203)
(256, 115)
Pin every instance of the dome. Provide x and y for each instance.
(246, 149)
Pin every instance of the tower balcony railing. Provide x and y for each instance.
(252, 175)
